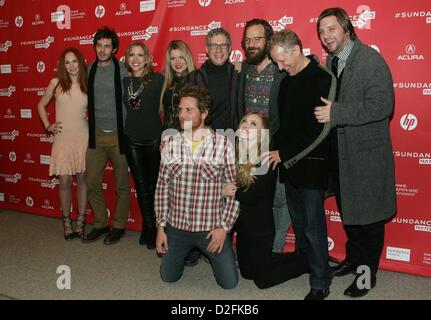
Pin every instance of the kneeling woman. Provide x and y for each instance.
(254, 189)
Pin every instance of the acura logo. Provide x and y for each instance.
(410, 48)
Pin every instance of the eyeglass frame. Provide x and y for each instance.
(253, 39)
(215, 46)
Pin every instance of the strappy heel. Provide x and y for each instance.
(80, 225)
(67, 227)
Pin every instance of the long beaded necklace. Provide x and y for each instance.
(134, 99)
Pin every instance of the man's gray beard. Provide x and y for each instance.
(257, 58)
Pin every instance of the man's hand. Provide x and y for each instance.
(323, 113)
(161, 240)
(218, 237)
(271, 157)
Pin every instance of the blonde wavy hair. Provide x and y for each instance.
(244, 177)
(168, 72)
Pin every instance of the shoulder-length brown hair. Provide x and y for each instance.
(64, 81)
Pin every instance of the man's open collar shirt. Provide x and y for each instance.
(189, 189)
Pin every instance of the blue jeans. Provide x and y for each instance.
(179, 245)
(281, 217)
(309, 224)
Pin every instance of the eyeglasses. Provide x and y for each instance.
(254, 40)
(215, 46)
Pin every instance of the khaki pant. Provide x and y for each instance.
(107, 148)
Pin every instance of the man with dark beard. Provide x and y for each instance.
(258, 91)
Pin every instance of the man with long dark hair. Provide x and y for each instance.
(362, 163)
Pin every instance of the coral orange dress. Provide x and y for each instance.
(70, 145)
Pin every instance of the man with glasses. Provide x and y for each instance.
(258, 91)
(220, 78)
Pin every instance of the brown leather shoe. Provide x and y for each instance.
(114, 236)
(95, 234)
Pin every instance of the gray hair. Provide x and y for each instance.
(286, 39)
(216, 32)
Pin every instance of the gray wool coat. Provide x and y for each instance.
(361, 114)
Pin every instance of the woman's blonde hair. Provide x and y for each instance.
(168, 72)
(244, 177)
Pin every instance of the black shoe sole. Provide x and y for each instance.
(191, 264)
(93, 240)
(111, 242)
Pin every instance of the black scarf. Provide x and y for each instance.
(118, 104)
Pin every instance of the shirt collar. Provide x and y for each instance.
(344, 54)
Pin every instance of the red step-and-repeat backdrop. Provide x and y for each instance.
(34, 32)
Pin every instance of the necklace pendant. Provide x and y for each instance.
(135, 103)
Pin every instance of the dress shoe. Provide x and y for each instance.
(193, 258)
(317, 294)
(355, 292)
(344, 268)
(114, 236)
(95, 234)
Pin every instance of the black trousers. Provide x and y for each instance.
(365, 243)
(143, 157)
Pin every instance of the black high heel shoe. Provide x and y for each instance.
(67, 228)
(80, 226)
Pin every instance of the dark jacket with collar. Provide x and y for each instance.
(200, 77)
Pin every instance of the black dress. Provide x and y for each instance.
(255, 237)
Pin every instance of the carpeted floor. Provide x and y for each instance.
(32, 249)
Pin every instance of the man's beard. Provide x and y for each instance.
(256, 58)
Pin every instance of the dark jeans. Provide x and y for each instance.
(179, 245)
(143, 157)
(309, 225)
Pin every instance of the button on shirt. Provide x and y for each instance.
(189, 188)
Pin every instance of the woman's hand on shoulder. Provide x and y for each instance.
(229, 190)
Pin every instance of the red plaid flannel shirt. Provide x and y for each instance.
(189, 187)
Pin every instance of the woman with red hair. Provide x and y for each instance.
(70, 130)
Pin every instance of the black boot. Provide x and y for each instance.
(142, 239)
(150, 236)
(149, 223)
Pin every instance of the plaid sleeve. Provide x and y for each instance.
(231, 208)
(161, 199)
